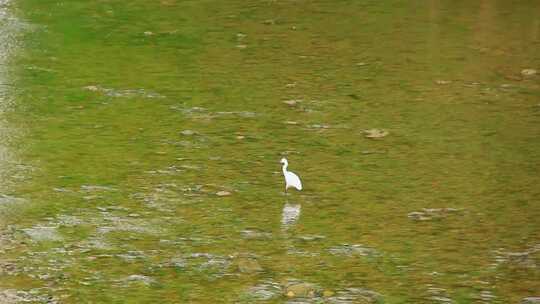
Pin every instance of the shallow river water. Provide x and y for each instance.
(140, 145)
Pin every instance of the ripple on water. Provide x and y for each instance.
(264, 291)
(145, 226)
(355, 296)
(125, 93)
(253, 234)
(137, 279)
(353, 250)
(524, 259)
(211, 265)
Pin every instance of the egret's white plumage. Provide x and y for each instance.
(291, 179)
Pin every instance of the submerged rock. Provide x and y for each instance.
(248, 265)
(291, 102)
(375, 133)
(188, 132)
(12, 296)
(7, 199)
(212, 265)
(301, 290)
(39, 233)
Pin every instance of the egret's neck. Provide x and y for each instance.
(285, 167)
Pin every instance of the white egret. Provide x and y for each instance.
(291, 179)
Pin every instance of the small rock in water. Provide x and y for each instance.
(309, 238)
(318, 126)
(139, 278)
(291, 102)
(351, 250)
(92, 88)
(223, 193)
(431, 213)
(375, 133)
(528, 72)
(441, 299)
(187, 132)
(255, 235)
(442, 82)
(419, 216)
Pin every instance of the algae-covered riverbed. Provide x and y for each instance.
(140, 145)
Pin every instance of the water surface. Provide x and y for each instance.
(140, 148)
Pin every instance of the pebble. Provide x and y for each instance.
(528, 72)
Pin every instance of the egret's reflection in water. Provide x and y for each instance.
(290, 215)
